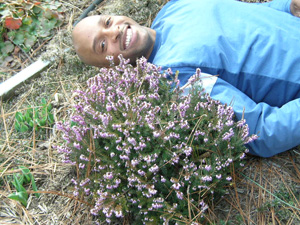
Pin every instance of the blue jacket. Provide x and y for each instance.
(255, 51)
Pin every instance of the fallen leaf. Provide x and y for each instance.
(12, 23)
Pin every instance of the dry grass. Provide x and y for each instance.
(266, 191)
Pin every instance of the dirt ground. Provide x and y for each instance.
(266, 191)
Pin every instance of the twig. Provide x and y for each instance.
(236, 193)
(37, 49)
(60, 194)
(3, 117)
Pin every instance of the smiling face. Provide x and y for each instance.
(96, 37)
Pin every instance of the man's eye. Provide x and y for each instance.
(108, 21)
(102, 45)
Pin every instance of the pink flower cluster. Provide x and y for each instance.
(141, 148)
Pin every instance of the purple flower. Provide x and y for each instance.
(77, 145)
(206, 178)
(78, 133)
(119, 214)
(81, 165)
(250, 139)
(134, 162)
(207, 167)
(83, 158)
(84, 182)
(87, 191)
(179, 195)
(176, 186)
(156, 134)
(195, 77)
(157, 205)
(227, 136)
(141, 173)
(241, 123)
(154, 168)
(152, 191)
(132, 141)
(124, 157)
(108, 175)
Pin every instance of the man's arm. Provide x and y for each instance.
(278, 128)
(281, 5)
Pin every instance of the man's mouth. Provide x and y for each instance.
(128, 37)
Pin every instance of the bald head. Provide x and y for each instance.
(96, 37)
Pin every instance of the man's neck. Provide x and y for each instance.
(153, 37)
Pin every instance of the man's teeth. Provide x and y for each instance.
(128, 37)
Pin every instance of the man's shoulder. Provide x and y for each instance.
(174, 8)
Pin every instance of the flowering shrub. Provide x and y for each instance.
(147, 153)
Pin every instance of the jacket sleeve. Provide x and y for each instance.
(278, 128)
(280, 5)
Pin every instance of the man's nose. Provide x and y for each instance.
(113, 33)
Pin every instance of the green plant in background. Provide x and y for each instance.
(23, 22)
(18, 181)
(35, 117)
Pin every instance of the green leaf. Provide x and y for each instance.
(42, 122)
(19, 117)
(11, 34)
(23, 127)
(46, 27)
(20, 13)
(28, 117)
(73, 123)
(35, 25)
(26, 173)
(27, 20)
(34, 186)
(48, 13)
(44, 102)
(31, 123)
(20, 197)
(17, 126)
(20, 178)
(19, 38)
(50, 118)
(30, 40)
(36, 9)
(18, 183)
(7, 48)
(49, 107)
(27, 28)
(29, 113)
(36, 114)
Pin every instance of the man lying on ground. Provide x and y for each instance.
(253, 49)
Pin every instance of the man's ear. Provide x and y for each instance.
(295, 8)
